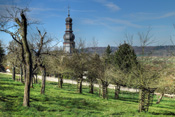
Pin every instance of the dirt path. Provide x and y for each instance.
(53, 79)
(87, 84)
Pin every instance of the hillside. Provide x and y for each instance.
(149, 50)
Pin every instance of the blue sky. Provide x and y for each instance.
(107, 21)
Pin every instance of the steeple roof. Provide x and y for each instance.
(68, 19)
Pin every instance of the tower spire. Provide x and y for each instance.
(68, 11)
(69, 37)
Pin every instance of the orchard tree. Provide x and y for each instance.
(167, 81)
(101, 70)
(13, 56)
(77, 63)
(56, 65)
(20, 24)
(147, 74)
(92, 71)
(2, 54)
(38, 50)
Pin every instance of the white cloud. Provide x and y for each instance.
(110, 23)
(167, 15)
(109, 5)
(75, 10)
(112, 6)
(123, 22)
(151, 16)
(89, 21)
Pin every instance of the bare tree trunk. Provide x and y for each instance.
(24, 73)
(100, 87)
(27, 86)
(91, 86)
(60, 81)
(13, 72)
(36, 78)
(104, 90)
(79, 85)
(160, 98)
(141, 100)
(117, 91)
(33, 79)
(21, 74)
(28, 60)
(43, 79)
(31, 83)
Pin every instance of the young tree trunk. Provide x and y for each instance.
(31, 83)
(100, 87)
(21, 74)
(43, 79)
(60, 81)
(104, 90)
(79, 85)
(141, 100)
(36, 80)
(33, 79)
(147, 100)
(160, 98)
(13, 72)
(24, 73)
(91, 86)
(117, 91)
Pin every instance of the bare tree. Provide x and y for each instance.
(21, 29)
(39, 61)
(146, 74)
(13, 56)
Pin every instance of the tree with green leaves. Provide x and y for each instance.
(124, 59)
(108, 50)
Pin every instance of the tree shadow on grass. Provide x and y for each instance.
(163, 113)
(6, 88)
(79, 103)
(7, 98)
(129, 99)
(66, 102)
(167, 107)
(9, 102)
(39, 107)
(118, 113)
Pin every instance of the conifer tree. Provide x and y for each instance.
(125, 59)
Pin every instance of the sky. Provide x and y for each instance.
(106, 21)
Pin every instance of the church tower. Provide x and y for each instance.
(69, 44)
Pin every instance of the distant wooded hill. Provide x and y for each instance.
(149, 50)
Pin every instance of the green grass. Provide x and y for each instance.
(66, 102)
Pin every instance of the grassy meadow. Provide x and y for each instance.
(66, 102)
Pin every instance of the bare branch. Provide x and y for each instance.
(12, 35)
